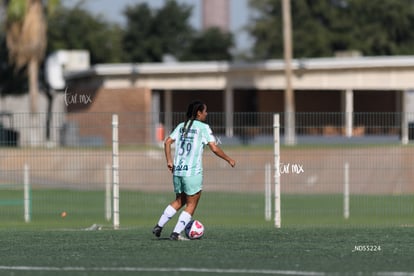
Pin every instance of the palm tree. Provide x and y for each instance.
(26, 41)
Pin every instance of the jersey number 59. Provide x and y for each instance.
(184, 148)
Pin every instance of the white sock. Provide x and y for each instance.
(169, 212)
(183, 220)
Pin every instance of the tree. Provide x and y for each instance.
(11, 81)
(26, 40)
(266, 28)
(323, 27)
(76, 28)
(211, 44)
(151, 34)
(382, 27)
(139, 42)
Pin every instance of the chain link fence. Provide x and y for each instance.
(327, 177)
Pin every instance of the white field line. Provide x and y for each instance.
(162, 269)
(186, 269)
(395, 273)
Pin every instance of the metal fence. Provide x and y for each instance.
(327, 178)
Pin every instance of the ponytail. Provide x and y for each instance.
(191, 114)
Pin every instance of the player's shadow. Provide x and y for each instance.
(161, 239)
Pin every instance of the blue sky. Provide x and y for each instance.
(112, 10)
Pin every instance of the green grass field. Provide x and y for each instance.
(137, 208)
(223, 250)
(314, 239)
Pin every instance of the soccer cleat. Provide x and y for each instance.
(157, 231)
(174, 236)
(177, 237)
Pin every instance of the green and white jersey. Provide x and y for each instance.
(189, 151)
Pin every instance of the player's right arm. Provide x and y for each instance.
(167, 149)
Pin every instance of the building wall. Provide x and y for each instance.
(212, 98)
(92, 114)
(270, 101)
(375, 101)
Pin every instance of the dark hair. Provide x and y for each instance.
(191, 114)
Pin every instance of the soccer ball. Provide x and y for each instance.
(194, 230)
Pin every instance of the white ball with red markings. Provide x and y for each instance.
(194, 230)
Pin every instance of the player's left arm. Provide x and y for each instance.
(220, 153)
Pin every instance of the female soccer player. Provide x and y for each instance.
(191, 136)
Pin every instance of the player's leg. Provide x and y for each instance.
(192, 188)
(192, 203)
(172, 208)
(186, 215)
(179, 202)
